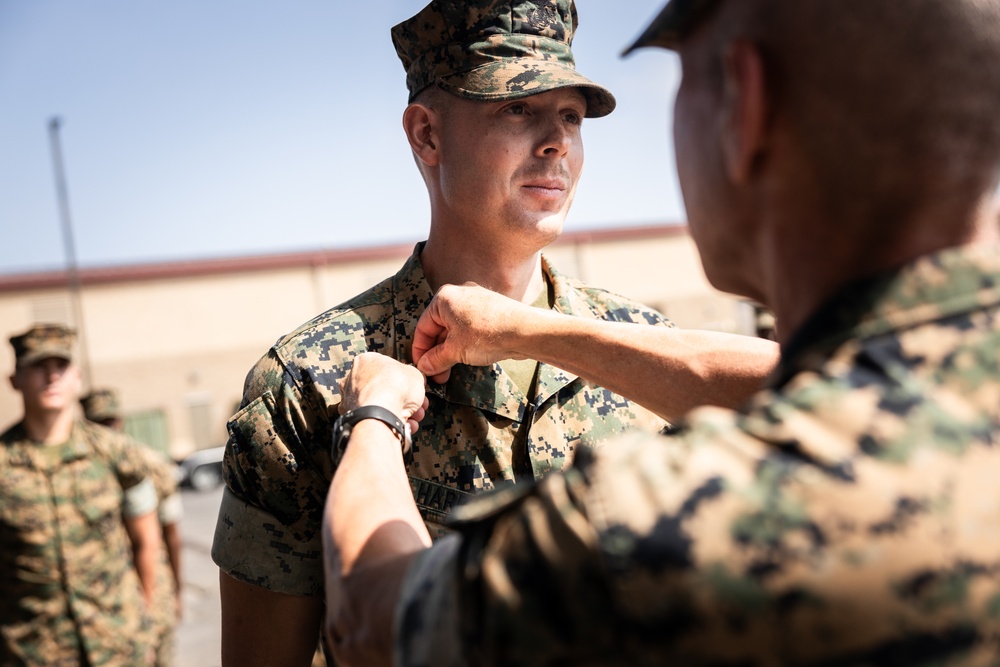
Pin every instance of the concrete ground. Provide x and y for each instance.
(200, 628)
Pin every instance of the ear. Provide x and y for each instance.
(421, 126)
(744, 107)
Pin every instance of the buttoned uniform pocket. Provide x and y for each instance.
(26, 506)
(97, 495)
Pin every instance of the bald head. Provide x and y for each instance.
(897, 100)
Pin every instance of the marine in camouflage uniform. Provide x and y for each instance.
(480, 432)
(485, 427)
(69, 594)
(838, 160)
(848, 517)
(103, 407)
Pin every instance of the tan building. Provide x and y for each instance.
(177, 339)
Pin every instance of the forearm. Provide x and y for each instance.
(668, 371)
(172, 539)
(144, 532)
(369, 539)
(145, 566)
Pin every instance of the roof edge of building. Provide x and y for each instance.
(278, 261)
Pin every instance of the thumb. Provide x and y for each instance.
(434, 365)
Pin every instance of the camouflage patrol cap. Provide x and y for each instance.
(673, 22)
(492, 50)
(43, 341)
(100, 405)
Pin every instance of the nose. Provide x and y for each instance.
(54, 369)
(557, 138)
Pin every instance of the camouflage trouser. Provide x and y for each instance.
(163, 614)
(166, 647)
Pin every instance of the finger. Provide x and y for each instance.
(437, 362)
(415, 419)
(418, 415)
(427, 334)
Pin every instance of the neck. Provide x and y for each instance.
(515, 273)
(832, 261)
(49, 427)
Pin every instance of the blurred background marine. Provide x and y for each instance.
(72, 493)
(102, 406)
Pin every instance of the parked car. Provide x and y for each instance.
(202, 470)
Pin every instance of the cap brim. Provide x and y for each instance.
(671, 24)
(512, 80)
(44, 353)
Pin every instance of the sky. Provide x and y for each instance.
(194, 129)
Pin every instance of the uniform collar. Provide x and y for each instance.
(22, 451)
(936, 286)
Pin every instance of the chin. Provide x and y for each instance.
(553, 225)
(554, 221)
(721, 276)
(544, 228)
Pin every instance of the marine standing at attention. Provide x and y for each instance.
(494, 123)
(103, 407)
(71, 495)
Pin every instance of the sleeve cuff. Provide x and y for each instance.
(140, 499)
(252, 546)
(171, 509)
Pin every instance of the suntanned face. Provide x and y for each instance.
(48, 385)
(699, 167)
(510, 169)
(721, 227)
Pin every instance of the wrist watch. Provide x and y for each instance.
(345, 424)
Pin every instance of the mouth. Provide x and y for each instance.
(546, 186)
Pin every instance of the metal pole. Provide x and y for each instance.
(72, 275)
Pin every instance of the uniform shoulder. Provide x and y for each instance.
(101, 437)
(337, 328)
(368, 306)
(11, 434)
(614, 307)
(578, 298)
(326, 342)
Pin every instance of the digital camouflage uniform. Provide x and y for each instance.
(102, 405)
(849, 516)
(69, 593)
(170, 510)
(480, 430)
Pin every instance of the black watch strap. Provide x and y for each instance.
(345, 424)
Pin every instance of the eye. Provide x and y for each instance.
(573, 117)
(517, 109)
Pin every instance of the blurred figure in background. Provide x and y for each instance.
(71, 495)
(103, 407)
